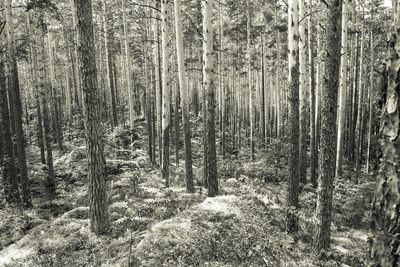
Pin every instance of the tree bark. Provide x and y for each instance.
(208, 73)
(17, 106)
(98, 209)
(385, 245)
(328, 125)
(293, 186)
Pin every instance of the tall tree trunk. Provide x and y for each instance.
(17, 106)
(127, 64)
(250, 84)
(385, 245)
(44, 86)
(313, 143)
(109, 63)
(303, 92)
(342, 92)
(166, 97)
(328, 125)
(98, 209)
(184, 98)
(293, 186)
(10, 179)
(370, 94)
(208, 70)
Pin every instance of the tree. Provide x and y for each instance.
(302, 92)
(44, 87)
(293, 54)
(385, 245)
(328, 124)
(98, 209)
(16, 105)
(184, 98)
(11, 190)
(166, 96)
(342, 92)
(208, 83)
(313, 141)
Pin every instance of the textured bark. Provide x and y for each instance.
(342, 92)
(7, 161)
(385, 245)
(184, 99)
(370, 94)
(166, 97)
(303, 86)
(293, 186)
(250, 81)
(98, 209)
(311, 54)
(17, 107)
(208, 83)
(328, 125)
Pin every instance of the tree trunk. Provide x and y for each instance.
(208, 70)
(10, 179)
(303, 93)
(313, 143)
(328, 125)
(166, 97)
(385, 245)
(127, 64)
(342, 92)
(184, 99)
(293, 186)
(98, 210)
(44, 86)
(17, 106)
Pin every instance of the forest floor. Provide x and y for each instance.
(156, 226)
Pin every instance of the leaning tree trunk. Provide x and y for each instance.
(16, 105)
(328, 125)
(98, 210)
(385, 245)
(293, 186)
(184, 99)
(208, 70)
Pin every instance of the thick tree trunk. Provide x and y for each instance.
(17, 107)
(10, 179)
(208, 85)
(385, 245)
(293, 186)
(328, 125)
(98, 210)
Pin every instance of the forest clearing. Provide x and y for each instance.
(199, 133)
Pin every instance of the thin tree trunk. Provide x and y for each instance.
(342, 92)
(302, 93)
